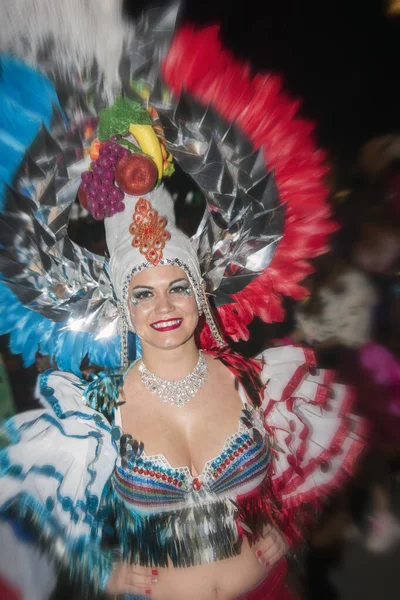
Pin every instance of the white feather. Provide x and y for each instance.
(81, 33)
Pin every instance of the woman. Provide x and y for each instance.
(208, 458)
(194, 494)
(188, 473)
(164, 314)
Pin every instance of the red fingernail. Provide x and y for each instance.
(147, 592)
(258, 553)
(154, 572)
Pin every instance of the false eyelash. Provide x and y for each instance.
(182, 289)
(138, 296)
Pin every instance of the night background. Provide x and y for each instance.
(340, 57)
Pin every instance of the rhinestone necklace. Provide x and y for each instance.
(176, 392)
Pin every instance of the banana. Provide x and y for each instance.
(149, 143)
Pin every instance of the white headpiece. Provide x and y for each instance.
(127, 259)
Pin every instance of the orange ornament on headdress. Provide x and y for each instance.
(148, 231)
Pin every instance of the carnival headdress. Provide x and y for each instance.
(236, 135)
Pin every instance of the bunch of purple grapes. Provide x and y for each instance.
(105, 199)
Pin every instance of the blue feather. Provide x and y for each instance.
(27, 101)
(31, 332)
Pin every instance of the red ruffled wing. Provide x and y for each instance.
(197, 63)
(316, 440)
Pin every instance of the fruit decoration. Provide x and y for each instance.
(168, 165)
(82, 197)
(94, 150)
(167, 159)
(129, 157)
(116, 119)
(104, 199)
(136, 174)
(149, 143)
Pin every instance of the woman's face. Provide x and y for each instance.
(162, 306)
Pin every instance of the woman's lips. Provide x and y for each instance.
(167, 325)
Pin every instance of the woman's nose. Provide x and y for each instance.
(164, 304)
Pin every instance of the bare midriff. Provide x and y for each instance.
(223, 580)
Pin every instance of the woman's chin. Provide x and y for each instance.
(167, 341)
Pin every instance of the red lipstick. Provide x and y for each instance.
(167, 325)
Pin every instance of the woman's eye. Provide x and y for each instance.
(142, 295)
(181, 289)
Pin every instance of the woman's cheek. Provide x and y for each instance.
(187, 303)
(138, 315)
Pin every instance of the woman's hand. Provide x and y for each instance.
(271, 546)
(132, 579)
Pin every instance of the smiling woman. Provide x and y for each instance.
(163, 309)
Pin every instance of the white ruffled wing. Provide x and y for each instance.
(54, 474)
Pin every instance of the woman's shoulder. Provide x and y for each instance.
(246, 370)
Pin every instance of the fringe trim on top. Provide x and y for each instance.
(188, 537)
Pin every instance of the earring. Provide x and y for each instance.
(123, 331)
(206, 308)
(125, 326)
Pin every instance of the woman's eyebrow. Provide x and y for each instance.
(142, 287)
(149, 287)
(180, 279)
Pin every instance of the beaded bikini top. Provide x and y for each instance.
(164, 513)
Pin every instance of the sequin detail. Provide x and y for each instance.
(154, 496)
(148, 231)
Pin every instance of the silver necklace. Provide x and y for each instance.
(176, 392)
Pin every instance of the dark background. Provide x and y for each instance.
(341, 57)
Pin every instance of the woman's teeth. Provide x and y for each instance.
(166, 324)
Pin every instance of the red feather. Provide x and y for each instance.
(198, 64)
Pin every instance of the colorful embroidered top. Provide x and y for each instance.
(196, 517)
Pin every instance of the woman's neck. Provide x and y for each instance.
(171, 364)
